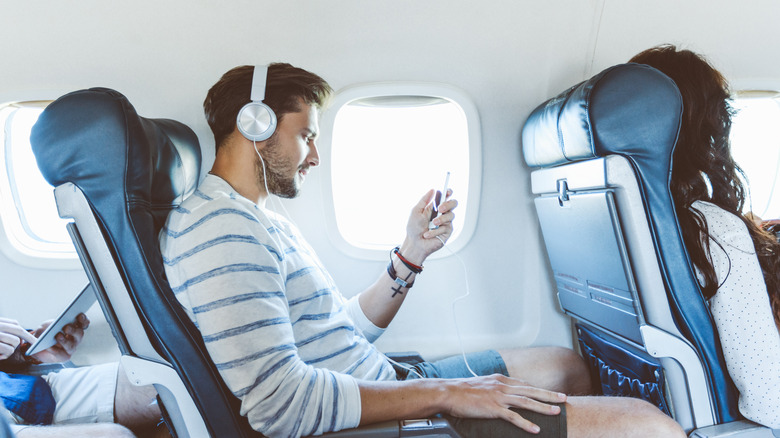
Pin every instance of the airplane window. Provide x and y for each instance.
(34, 234)
(388, 145)
(755, 140)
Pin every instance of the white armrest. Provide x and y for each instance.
(735, 429)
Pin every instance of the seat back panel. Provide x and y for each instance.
(587, 252)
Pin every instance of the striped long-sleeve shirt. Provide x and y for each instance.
(273, 321)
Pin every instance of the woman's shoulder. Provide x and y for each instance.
(717, 218)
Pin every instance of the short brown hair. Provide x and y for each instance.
(285, 87)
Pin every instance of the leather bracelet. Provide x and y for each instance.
(394, 276)
(412, 267)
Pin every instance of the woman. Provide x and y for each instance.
(738, 264)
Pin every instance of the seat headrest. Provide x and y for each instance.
(629, 109)
(95, 139)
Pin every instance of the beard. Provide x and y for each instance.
(279, 173)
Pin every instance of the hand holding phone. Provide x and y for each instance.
(438, 198)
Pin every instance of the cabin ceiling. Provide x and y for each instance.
(534, 49)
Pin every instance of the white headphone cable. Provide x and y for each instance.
(444, 245)
(455, 301)
(410, 368)
(268, 195)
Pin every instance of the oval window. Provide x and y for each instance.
(34, 234)
(388, 144)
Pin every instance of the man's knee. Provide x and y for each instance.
(618, 416)
(571, 369)
(554, 368)
(569, 359)
(651, 421)
(112, 430)
(134, 406)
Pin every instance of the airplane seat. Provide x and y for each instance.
(117, 175)
(602, 153)
(5, 428)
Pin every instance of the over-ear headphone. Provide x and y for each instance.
(256, 120)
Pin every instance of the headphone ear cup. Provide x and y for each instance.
(256, 121)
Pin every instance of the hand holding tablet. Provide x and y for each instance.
(70, 322)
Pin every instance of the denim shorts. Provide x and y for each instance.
(483, 364)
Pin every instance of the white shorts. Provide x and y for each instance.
(82, 395)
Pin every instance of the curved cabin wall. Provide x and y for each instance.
(508, 56)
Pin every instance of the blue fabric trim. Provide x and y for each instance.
(246, 328)
(334, 354)
(334, 414)
(315, 295)
(300, 273)
(224, 302)
(29, 397)
(252, 357)
(212, 215)
(324, 334)
(237, 267)
(222, 239)
(285, 360)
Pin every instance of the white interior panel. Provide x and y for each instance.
(507, 56)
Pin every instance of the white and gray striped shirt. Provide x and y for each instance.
(281, 334)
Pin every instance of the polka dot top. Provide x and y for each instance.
(743, 316)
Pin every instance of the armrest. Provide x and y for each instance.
(736, 429)
(432, 427)
(406, 357)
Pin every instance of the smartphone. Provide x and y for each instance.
(438, 198)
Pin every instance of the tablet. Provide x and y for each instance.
(80, 304)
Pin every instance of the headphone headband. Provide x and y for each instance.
(259, 77)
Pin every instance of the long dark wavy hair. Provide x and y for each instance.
(703, 168)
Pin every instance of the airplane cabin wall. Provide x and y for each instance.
(508, 56)
(735, 37)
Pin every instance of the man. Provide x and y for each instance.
(69, 398)
(298, 354)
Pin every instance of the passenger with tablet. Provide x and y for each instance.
(62, 400)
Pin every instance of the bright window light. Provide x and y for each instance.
(387, 150)
(32, 226)
(755, 142)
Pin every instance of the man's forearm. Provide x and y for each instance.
(383, 401)
(478, 397)
(382, 300)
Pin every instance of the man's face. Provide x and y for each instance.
(290, 152)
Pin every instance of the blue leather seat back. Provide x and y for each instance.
(635, 111)
(133, 171)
